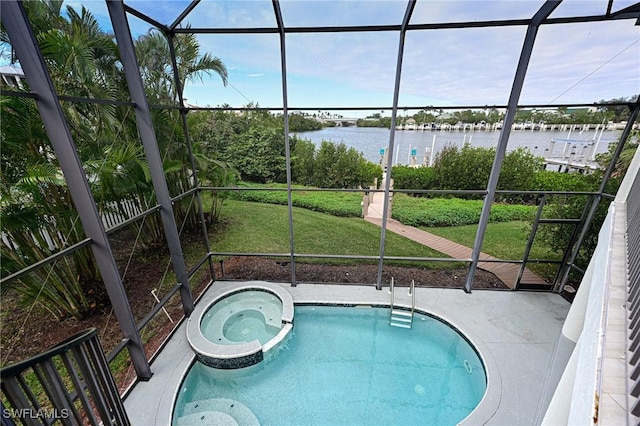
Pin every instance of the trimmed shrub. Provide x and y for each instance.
(453, 211)
(343, 204)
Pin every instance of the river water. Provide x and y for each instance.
(370, 141)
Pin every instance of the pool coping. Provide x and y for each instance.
(153, 402)
(229, 356)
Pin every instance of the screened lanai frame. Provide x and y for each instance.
(42, 90)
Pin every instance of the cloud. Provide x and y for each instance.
(570, 62)
(584, 63)
(232, 14)
(314, 13)
(579, 63)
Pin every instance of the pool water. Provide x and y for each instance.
(346, 366)
(243, 317)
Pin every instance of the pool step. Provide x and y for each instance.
(209, 418)
(400, 318)
(217, 411)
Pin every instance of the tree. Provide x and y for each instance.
(303, 161)
(617, 113)
(572, 206)
(624, 160)
(465, 168)
(157, 70)
(258, 154)
(336, 166)
(154, 59)
(36, 208)
(300, 123)
(215, 173)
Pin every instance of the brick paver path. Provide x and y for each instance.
(506, 272)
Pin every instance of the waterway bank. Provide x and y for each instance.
(371, 140)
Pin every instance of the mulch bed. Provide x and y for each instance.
(246, 268)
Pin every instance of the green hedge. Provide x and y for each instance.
(343, 204)
(452, 211)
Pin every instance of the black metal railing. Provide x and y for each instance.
(70, 384)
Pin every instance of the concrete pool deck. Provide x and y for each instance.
(515, 333)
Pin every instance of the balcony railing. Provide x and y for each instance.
(70, 384)
(600, 379)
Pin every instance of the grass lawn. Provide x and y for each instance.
(263, 228)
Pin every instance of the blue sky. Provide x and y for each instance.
(570, 64)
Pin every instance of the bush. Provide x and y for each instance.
(302, 160)
(331, 166)
(405, 177)
(452, 211)
(258, 154)
(519, 169)
(469, 168)
(465, 168)
(368, 173)
(545, 180)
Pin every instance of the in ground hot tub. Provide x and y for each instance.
(239, 325)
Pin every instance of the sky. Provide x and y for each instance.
(571, 63)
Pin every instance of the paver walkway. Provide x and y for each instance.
(505, 272)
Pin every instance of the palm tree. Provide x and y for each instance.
(156, 68)
(154, 59)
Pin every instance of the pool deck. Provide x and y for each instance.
(515, 333)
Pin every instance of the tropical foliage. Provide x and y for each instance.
(36, 209)
(36, 218)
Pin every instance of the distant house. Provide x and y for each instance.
(11, 76)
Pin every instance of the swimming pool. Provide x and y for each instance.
(344, 365)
